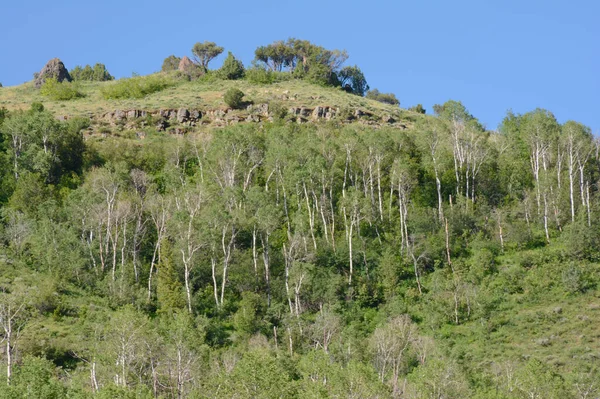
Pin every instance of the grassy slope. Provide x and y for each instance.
(202, 94)
(534, 315)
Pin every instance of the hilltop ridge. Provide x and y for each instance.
(201, 103)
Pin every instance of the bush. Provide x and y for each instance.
(418, 109)
(278, 110)
(171, 63)
(233, 98)
(135, 87)
(60, 91)
(258, 75)
(232, 68)
(387, 98)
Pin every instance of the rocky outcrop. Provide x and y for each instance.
(186, 65)
(178, 121)
(53, 69)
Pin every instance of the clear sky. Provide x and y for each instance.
(492, 55)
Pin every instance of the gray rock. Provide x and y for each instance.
(53, 69)
(132, 114)
(182, 115)
(195, 115)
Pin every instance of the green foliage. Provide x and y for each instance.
(232, 68)
(352, 78)
(418, 109)
(260, 375)
(44, 145)
(206, 52)
(135, 87)
(278, 110)
(453, 110)
(276, 56)
(37, 107)
(62, 91)
(35, 378)
(386, 98)
(97, 73)
(247, 319)
(258, 75)
(233, 97)
(321, 260)
(171, 63)
(169, 290)
(304, 59)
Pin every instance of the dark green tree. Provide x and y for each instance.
(232, 68)
(352, 78)
(169, 289)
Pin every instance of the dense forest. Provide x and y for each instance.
(285, 260)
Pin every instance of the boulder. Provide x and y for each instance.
(182, 115)
(53, 69)
(186, 65)
(195, 115)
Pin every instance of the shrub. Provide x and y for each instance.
(387, 98)
(278, 110)
(418, 109)
(233, 98)
(37, 107)
(258, 75)
(232, 68)
(135, 87)
(60, 91)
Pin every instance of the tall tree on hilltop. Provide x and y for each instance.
(206, 52)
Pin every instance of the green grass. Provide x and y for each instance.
(540, 319)
(205, 93)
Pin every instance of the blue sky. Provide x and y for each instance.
(491, 55)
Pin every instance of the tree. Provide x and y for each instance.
(13, 315)
(169, 290)
(391, 344)
(206, 52)
(171, 63)
(276, 56)
(353, 78)
(125, 346)
(97, 73)
(39, 143)
(232, 68)
(180, 353)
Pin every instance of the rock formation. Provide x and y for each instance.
(53, 69)
(186, 65)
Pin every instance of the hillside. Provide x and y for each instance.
(297, 97)
(311, 243)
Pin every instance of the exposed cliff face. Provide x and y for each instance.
(163, 119)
